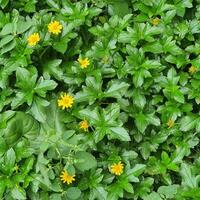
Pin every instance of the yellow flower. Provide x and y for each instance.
(33, 39)
(192, 69)
(156, 21)
(117, 168)
(170, 123)
(84, 125)
(105, 60)
(16, 168)
(65, 177)
(84, 62)
(55, 27)
(65, 101)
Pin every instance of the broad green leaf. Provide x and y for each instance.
(120, 133)
(7, 29)
(112, 112)
(92, 115)
(62, 45)
(138, 169)
(168, 191)
(8, 47)
(141, 122)
(9, 160)
(3, 146)
(73, 193)
(43, 86)
(23, 26)
(38, 109)
(6, 40)
(18, 193)
(188, 178)
(153, 196)
(171, 47)
(53, 4)
(20, 125)
(4, 3)
(188, 122)
(139, 99)
(3, 184)
(115, 89)
(85, 161)
(52, 68)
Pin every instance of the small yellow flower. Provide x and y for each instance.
(55, 27)
(65, 177)
(192, 69)
(84, 125)
(170, 123)
(155, 21)
(106, 60)
(84, 62)
(117, 168)
(33, 39)
(65, 101)
(16, 168)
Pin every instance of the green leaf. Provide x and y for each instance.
(153, 119)
(99, 134)
(30, 6)
(153, 196)
(54, 119)
(141, 122)
(4, 117)
(4, 3)
(120, 8)
(188, 178)
(91, 92)
(112, 112)
(171, 47)
(9, 160)
(3, 146)
(188, 122)
(52, 68)
(20, 125)
(6, 40)
(18, 100)
(154, 47)
(7, 29)
(38, 109)
(168, 191)
(85, 161)
(93, 115)
(18, 193)
(8, 47)
(3, 184)
(138, 169)
(53, 4)
(62, 45)
(43, 86)
(120, 133)
(23, 26)
(116, 89)
(73, 193)
(138, 78)
(55, 197)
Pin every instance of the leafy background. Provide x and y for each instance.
(138, 80)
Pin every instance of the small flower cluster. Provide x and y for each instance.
(54, 27)
(66, 101)
(116, 169)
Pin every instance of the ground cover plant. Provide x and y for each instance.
(99, 99)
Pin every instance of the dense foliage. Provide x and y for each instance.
(99, 99)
